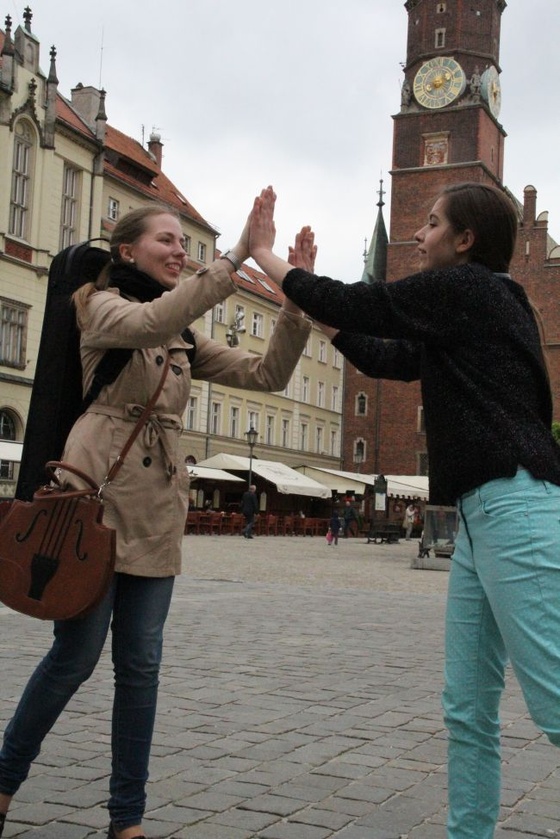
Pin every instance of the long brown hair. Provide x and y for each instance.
(126, 231)
(492, 218)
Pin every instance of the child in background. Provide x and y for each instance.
(334, 527)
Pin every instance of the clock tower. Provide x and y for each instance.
(447, 131)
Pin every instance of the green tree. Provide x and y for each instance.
(556, 431)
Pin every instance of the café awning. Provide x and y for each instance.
(286, 480)
(398, 486)
(197, 472)
(10, 450)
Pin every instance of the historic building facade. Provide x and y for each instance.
(447, 131)
(67, 175)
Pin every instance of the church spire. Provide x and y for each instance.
(375, 260)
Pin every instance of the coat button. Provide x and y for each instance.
(147, 461)
(176, 369)
(159, 360)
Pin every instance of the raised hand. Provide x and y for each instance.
(304, 252)
(262, 230)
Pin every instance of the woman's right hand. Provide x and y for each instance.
(241, 249)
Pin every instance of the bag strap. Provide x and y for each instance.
(111, 474)
(142, 419)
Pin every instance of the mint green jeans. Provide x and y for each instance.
(503, 603)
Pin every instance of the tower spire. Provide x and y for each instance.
(375, 260)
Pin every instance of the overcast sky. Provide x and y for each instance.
(297, 93)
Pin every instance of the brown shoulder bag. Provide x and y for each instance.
(57, 558)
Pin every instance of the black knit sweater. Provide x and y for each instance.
(471, 338)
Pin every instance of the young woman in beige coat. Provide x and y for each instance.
(139, 302)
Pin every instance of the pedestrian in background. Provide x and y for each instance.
(249, 508)
(350, 516)
(408, 521)
(334, 526)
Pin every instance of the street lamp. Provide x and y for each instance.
(235, 329)
(251, 436)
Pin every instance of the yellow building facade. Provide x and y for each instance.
(66, 176)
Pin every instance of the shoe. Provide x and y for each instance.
(113, 835)
(2, 821)
(248, 537)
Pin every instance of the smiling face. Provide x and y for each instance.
(439, 245)
(159, 251)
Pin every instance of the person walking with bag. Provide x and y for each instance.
(139, 302)
(467, 331)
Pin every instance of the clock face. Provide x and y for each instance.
(491, 90)
(439, 82)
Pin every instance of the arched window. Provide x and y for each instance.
(361, 404)
(359, 452)
(22, 164)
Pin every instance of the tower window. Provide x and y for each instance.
(440, 38)
(422, 463)
(359, 451)
(361, 405)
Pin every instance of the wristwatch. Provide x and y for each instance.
(233, 258)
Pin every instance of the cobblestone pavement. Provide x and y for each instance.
(299, 700)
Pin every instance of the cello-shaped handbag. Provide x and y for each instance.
(57, 558)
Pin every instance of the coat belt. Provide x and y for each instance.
(160, 429)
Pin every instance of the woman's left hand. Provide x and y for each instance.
(262, 230)
(304, 252)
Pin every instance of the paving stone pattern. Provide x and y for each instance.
(300, 699)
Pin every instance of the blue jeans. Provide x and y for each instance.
(139, 608)
(503, 603)
(249, 525)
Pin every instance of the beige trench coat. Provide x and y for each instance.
(147, 502)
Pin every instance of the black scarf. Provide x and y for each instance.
(134, 283)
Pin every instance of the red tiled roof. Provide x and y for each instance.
(156, 186)
(128, 161)
(262, 285)
(127, 147)
(66, 113)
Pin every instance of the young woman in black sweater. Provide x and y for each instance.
(466, 330)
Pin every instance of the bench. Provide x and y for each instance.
(388, 533)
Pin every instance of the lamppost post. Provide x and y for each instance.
(251, 436)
